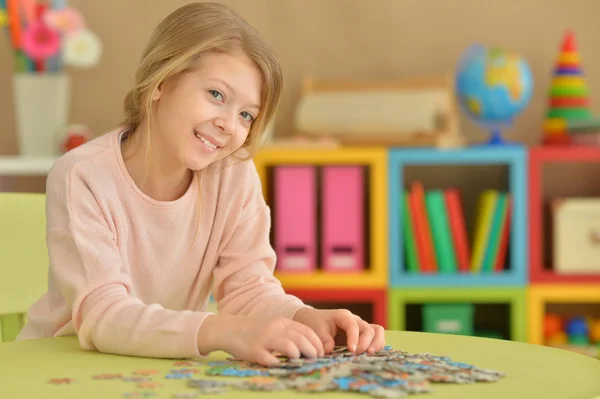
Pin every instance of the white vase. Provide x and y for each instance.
(42, 105)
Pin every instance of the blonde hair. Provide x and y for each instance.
(181, 39)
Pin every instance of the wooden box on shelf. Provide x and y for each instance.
(553, 175)
(416, 111)
(322, 243)
(488, 301)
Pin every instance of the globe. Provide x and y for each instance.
(493, 86)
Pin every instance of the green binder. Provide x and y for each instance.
(442, 234)
(412, 258)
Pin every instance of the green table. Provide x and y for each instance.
(533, 371)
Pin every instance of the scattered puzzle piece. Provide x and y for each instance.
(107, 377)
(61, 381)
(138, 394)
(146, 372)
(178, 376)
(137, 379)
(151, 385)
(184, 364)
(186, 371)
(186, 395)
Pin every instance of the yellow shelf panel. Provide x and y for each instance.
(321, 156)
(541, 294)
(376, 279)
(376, 159)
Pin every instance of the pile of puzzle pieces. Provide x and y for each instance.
(388, 374)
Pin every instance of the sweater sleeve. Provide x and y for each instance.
(243, 280)
(86, 265)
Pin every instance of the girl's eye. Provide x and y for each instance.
(216, 94)
(247, 116)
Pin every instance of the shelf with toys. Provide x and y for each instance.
(498, 312)
(329, 220)
(564, 215)
(565, 316)
(445, 235)
(564, 210)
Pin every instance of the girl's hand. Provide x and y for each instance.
(360, 335)
(254, 338)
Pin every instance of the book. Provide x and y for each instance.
(441, 233)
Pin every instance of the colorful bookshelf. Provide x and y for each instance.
(370, 304)
(512, 157)
(392, 293)
(374, 159)
(399, 300)
(543, 295)
(539, 159)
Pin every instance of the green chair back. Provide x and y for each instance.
(23, 258)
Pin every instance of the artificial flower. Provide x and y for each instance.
(3, 18)
(82, 48)
(39, 41)
(73, 136)
(65, 20)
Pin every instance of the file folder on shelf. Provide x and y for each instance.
(295, 218)
(343, 218)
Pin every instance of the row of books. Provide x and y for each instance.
(436, 237)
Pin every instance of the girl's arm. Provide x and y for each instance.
(243, 278)
(86, 267)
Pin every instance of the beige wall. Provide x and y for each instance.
(337, 38)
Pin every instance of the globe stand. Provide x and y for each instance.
(496, 140)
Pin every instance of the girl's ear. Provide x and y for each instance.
(156, 94)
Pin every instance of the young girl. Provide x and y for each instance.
(142, 220)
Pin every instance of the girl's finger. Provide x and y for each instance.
(326, 339)
(304, 345)
(285, 346)
(264, 358)
(311, 335)
(367, 333)
(379, 339)
(346, 321)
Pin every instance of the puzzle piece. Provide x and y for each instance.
(149, 385)
(146, 372)
(185, 371)
(61, 381)
(178, 376)
(138, 394)
(184, 364)
(107, 377)
(186, 395)
(136, 378)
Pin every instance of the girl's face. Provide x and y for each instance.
(205, 114)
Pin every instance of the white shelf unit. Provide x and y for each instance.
(17, 165)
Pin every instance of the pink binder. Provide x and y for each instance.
(295, 218)
(343, 218)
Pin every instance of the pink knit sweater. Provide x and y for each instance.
(129, 275)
